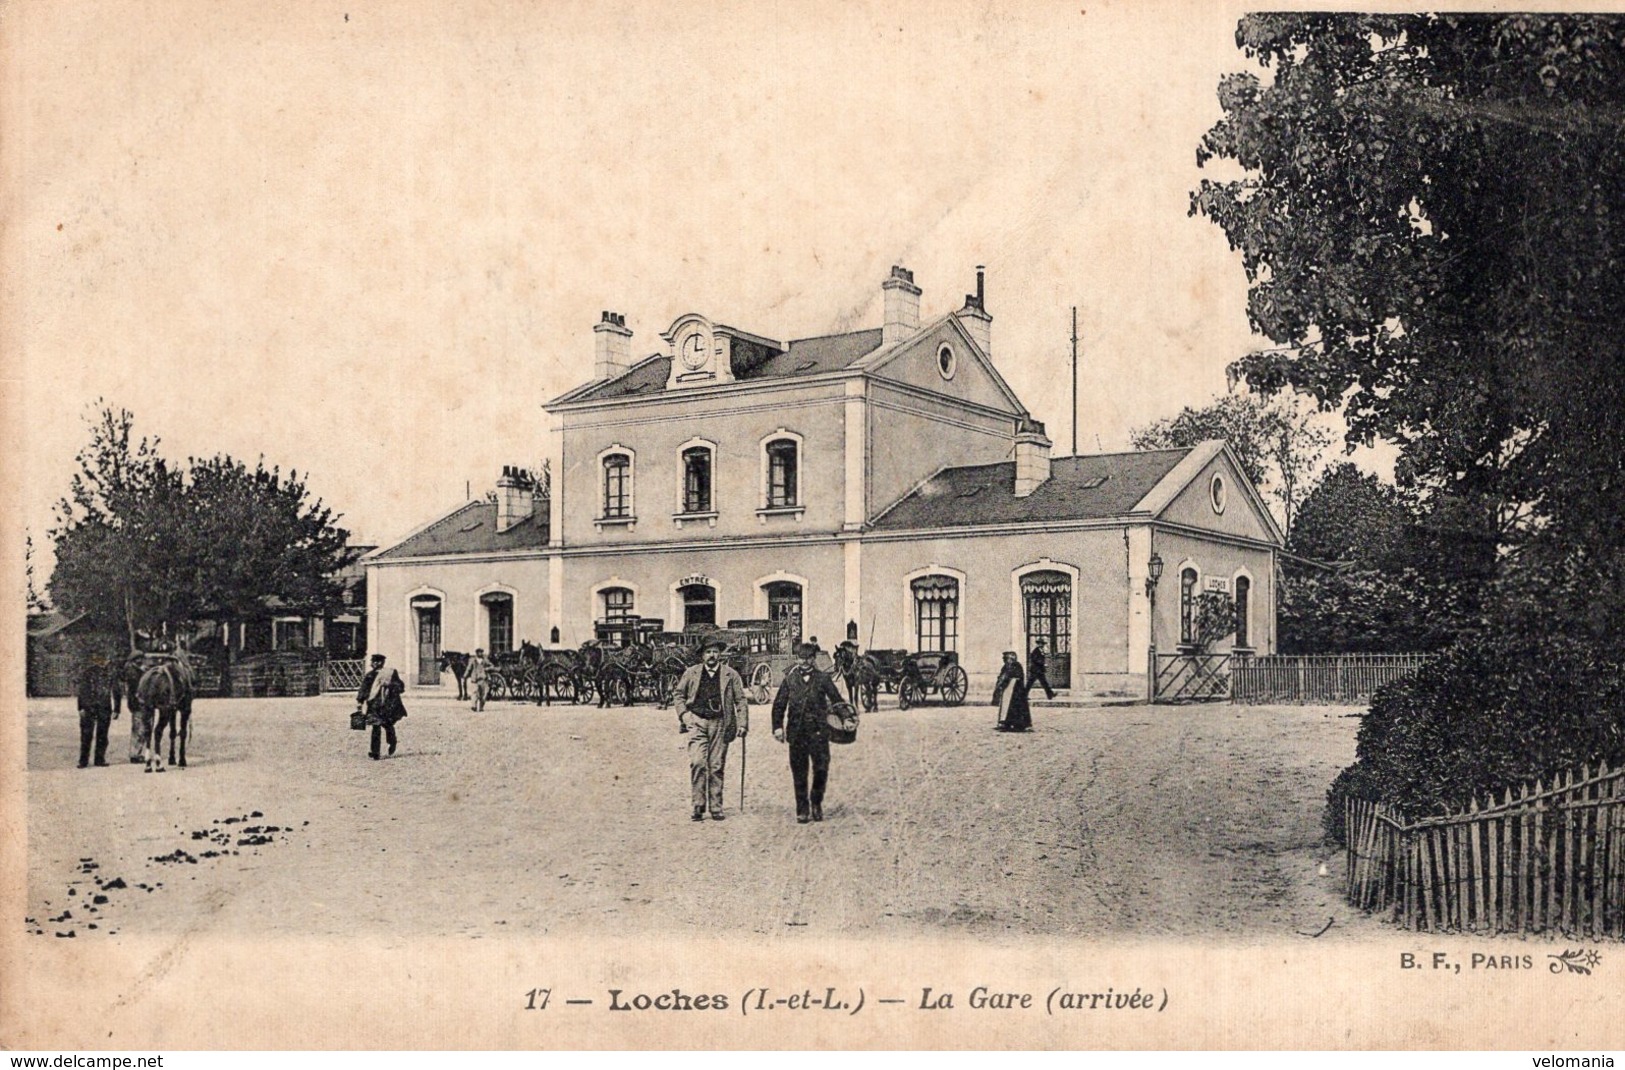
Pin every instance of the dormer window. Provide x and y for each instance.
(783, 473)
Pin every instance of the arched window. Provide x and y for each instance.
(699, 603)
(697, 480)
(1187, 605)
(617, 603)
(1244, 591)
(498, 622)
(617, 485)
(784, 609)
(783, 473)
(936, 612)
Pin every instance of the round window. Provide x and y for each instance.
(945, 362)
(1217, 492)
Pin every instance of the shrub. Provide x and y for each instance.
(1487, 715)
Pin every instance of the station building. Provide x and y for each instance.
(885, 484)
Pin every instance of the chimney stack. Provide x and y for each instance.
(974, 315)
(516, 497)
(902, 300)
(612, 347)
(1032, 456)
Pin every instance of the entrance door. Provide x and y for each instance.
(1047, 599)
(699, 604)
(428, 644)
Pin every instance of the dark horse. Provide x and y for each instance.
(165, 693)
(457, 663)
(862, 676)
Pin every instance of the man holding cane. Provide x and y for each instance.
(711, 705)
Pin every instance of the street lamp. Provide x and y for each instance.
(1153, 575)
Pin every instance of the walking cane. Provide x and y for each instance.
(744, 753)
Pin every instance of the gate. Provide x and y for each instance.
(1192, 677)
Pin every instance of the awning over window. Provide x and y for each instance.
(1046, 582)
(936, 589)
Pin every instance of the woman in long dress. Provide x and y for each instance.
(1010, 695)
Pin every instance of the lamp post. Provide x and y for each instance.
(1153, 575)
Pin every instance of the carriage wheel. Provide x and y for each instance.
(524, 688)
(909, 694)
(761, 683)
(955, 686)
(496, 684)
(583, 687)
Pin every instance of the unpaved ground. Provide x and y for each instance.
(1200, 822)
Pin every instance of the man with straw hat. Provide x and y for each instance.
(711, 705)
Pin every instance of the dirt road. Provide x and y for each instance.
(1196, 821)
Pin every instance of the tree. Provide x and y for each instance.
(143, 545)
(1431, 217)
(1276, 443)
(36, 601)
(1350, 516)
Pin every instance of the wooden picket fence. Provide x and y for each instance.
(1333, 679)
(1546, 858)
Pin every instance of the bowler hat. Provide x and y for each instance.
(713, 644)
(807, 650)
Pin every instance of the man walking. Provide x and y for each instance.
(380, 696)
(798, 717)
(711, 703)
(98, 706)
(479, 674)
(1035, 670)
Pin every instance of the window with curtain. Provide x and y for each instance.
(936, 613)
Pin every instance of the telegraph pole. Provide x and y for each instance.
(1074, 380)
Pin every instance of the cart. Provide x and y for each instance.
(932, 672)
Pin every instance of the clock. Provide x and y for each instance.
(692, 352)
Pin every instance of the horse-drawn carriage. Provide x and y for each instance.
(910, 676)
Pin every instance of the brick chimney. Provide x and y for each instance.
(612, 347)
(1032, 456)
(974, 315)
(902, 299)
(516, 497)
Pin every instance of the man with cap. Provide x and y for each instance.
(380, 697)
(98, 706)
(798, 718)
(478, 674)
(1036, 669)
(711, 704)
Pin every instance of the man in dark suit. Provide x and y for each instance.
(798, 717)
(98, 706)
(1035, 670)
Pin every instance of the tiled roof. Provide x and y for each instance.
(472, 530)
(1079, 488)
(805, 356)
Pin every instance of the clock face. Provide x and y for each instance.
(692, 352)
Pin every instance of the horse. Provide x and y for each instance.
(457, 663)
(165, 692)
(862, 676)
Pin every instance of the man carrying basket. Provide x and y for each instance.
(799, 717)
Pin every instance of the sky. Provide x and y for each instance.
(368, 242)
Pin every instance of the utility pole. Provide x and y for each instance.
(1074, 380)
